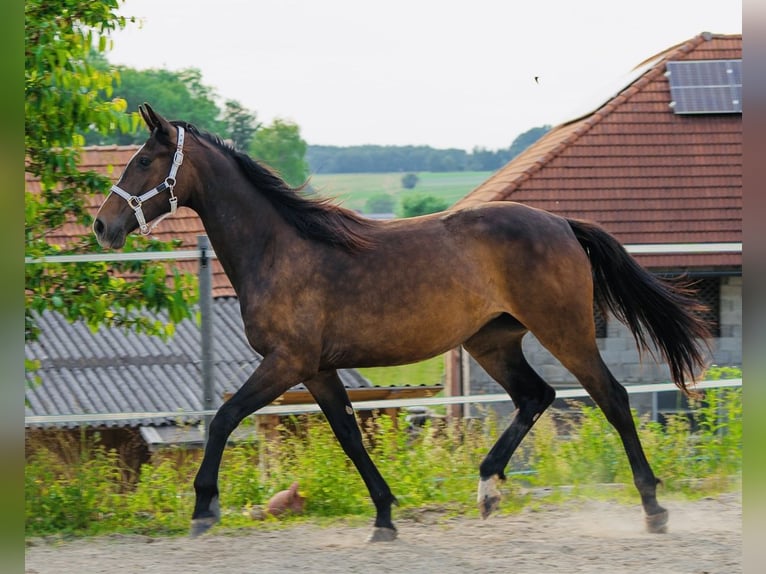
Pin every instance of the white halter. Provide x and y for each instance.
(135, 201)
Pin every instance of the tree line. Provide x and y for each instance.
(388, 159)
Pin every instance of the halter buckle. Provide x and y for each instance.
(134, 202)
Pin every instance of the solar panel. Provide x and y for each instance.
(705, 86)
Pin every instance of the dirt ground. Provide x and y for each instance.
(704, 536)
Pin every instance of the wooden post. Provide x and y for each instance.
(454, 381)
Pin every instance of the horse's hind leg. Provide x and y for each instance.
(328, 391)
(579, 354)
(497, 348)
(613, 400)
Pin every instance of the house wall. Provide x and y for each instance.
(620, 353)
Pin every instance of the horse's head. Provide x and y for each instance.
(147, 188)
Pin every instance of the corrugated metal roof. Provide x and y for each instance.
(116, 371)
(645, 173)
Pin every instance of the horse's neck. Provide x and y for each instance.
(244, 229)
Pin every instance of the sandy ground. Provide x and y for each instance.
(704, 536)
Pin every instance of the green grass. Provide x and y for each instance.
(429, 372)
(354, 189)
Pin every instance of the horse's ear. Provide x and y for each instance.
(154, 121)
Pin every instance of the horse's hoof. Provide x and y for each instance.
(488, 497)
(380, 534)
(657, 523)
(489, 505)
(205, 523)
(202, 525)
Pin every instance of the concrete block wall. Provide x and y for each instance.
(621, 355)
(728, 348)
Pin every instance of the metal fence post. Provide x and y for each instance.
(465, 377)
(206, 315)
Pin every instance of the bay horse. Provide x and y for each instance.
(321, 288)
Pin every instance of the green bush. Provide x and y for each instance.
(414, 204)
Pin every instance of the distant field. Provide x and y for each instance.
(353, 189)
(429, 372)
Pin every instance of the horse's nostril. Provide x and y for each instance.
(98, 226)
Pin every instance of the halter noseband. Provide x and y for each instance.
(135, 201)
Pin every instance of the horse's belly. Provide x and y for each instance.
(401, 339)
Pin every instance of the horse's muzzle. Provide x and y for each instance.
(108, 238)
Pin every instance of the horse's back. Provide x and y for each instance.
(509, 220)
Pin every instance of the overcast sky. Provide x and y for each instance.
(415, 72)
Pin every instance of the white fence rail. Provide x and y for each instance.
(637, 249)
(364, 405)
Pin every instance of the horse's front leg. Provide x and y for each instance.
(329, 393)
(272, 378)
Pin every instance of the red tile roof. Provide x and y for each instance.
(646, 174)
(185, 225)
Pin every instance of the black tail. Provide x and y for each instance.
(664, 310)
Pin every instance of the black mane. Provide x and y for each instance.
(313, 218)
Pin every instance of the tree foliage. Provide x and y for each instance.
(68, 93)
(281, 147)
(240, 124)
(409, 180)
(63, 100)
(526, 139)
(177, 95)
(385, 159)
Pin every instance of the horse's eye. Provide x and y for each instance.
(144, 161)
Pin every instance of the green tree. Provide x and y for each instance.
(66, 95)
(409, 180)
(415, 204)
(177, 95)
(526, 139)
(239, 124)
(281, 147)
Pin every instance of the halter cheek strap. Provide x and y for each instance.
(135, 201)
